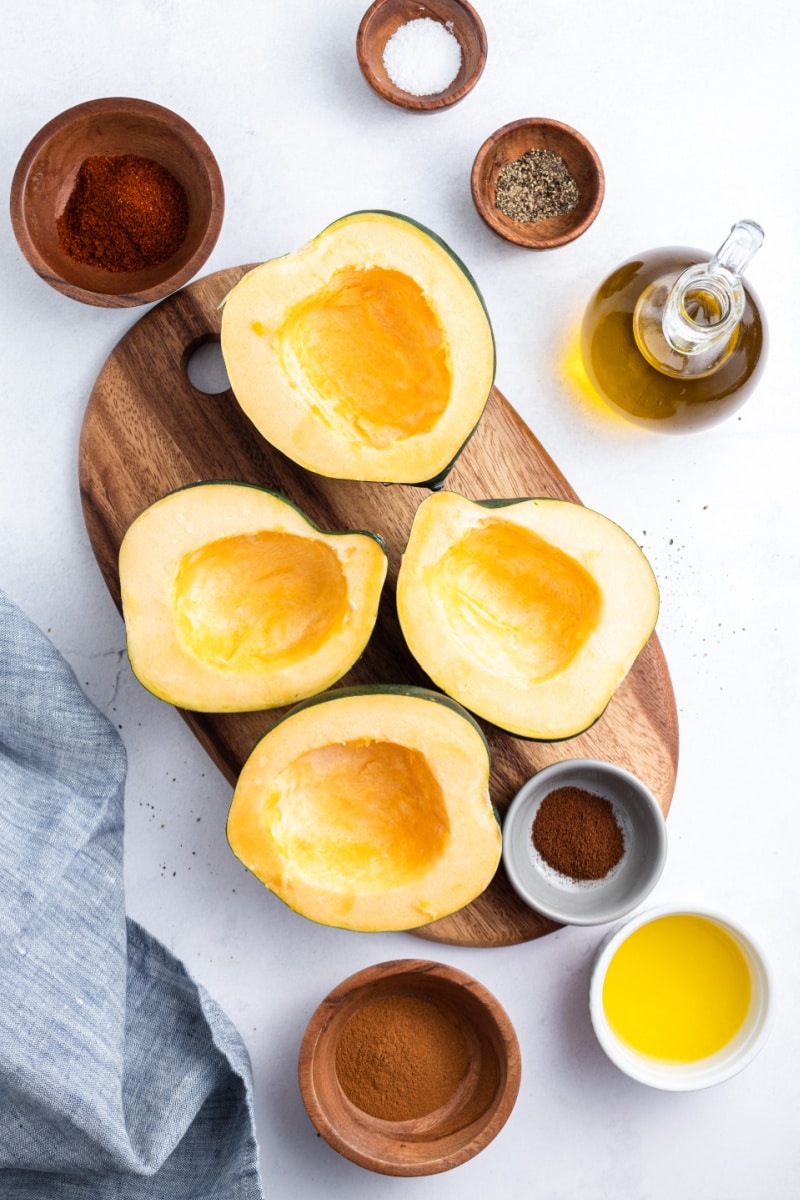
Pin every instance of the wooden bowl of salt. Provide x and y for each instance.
(409, 1067)
(421, 55)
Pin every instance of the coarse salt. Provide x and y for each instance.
(422, 57)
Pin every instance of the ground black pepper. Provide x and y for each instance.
(577, 833)
(536, 186)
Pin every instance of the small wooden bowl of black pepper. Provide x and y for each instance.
(538, 183)
(409, 1067)
(117, 202)
(584, 842)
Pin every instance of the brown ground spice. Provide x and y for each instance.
(577, 833)
(400, 1057)
(125, 213)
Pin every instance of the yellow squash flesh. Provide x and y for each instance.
(233, 600)
(529, 613)
(369, 809)
(367, 354)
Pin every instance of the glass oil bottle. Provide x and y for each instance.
(675, 342)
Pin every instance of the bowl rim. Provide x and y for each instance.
(728, 1061)
(436, 101)
(509, 232)
(547, 780)
(61, 121)
(344, 997)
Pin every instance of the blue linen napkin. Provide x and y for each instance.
(119, 1076)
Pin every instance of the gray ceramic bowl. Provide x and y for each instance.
(590, 902)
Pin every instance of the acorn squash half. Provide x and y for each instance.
(367, 354)
(368, 809)
(528, 612)
(233, 600)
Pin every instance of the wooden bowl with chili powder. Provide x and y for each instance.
(409, 1067)
(117, 202)
(538, 183)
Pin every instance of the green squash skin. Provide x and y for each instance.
(391, 689)
(209, 483)
(386, 689)
(509, 503)
(553, 741)
(437, 483)
(385, 212)
(202, 483)
(438, 480)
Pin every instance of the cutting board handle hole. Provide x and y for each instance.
(205, 366)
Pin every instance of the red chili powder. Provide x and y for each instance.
(125, 213)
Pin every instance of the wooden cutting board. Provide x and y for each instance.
(147, 430)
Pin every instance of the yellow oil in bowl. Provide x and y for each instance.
(678, 989)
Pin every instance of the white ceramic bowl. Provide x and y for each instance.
(686, 1077)
(591, 902)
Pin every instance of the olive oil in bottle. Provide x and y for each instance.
(675, 341)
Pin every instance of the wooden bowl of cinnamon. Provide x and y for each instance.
(117, 202)
(409, 1067)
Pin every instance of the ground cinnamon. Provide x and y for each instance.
(400, 1057)
(577, 833)
(125, 213)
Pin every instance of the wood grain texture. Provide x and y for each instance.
(45, 176)
(147, 430)
(508, 144)
(452, 1134)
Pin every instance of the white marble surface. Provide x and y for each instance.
(693, 110)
